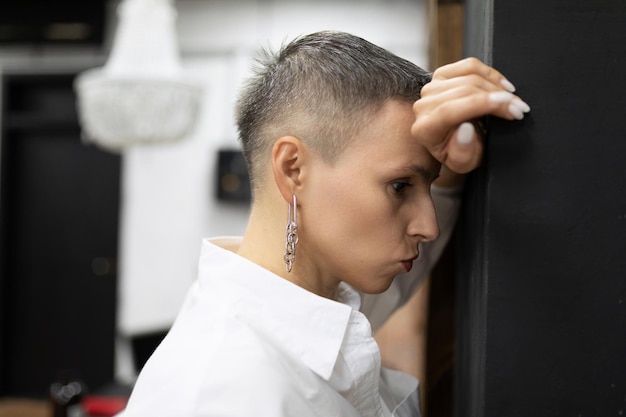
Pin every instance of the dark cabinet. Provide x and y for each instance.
(58, 244)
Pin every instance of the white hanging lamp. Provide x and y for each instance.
(140, 95)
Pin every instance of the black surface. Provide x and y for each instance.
(44, 23)
(543, 303)
(233, 181)
(58, 249)
(144, 346)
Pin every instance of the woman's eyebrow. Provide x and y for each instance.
(428, 173)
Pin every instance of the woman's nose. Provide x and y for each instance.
(423, 223)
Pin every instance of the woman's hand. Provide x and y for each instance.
(448, 113)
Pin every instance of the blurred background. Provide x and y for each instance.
(101, 229)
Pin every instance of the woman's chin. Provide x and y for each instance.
(373, 287)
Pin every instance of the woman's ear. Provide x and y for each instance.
(288, 158)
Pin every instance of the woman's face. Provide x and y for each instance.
(360, 220)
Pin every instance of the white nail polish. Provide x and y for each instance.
(507, 85)
(500, 97)
(465, 133)
(522, 105)
(516, 112)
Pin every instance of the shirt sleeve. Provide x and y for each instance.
(378, 307)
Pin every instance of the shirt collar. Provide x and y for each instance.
(309, 327)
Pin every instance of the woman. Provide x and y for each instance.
(342, 153)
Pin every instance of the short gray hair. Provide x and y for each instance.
(320, 88)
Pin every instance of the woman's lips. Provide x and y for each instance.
(408, 264)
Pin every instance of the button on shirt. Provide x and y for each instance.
(250, 343)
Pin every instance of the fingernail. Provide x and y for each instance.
(507, 85)
(500, 96)
(522, 105)
(465, 133)
(515, 111)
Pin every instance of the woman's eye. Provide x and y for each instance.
(400, 186)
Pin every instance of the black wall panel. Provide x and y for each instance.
(543, 284)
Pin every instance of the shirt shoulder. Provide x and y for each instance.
(234, 372)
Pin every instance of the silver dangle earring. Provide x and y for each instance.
(292, 235)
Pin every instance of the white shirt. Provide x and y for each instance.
(250, 343)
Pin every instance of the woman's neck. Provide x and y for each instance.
(264, 244)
